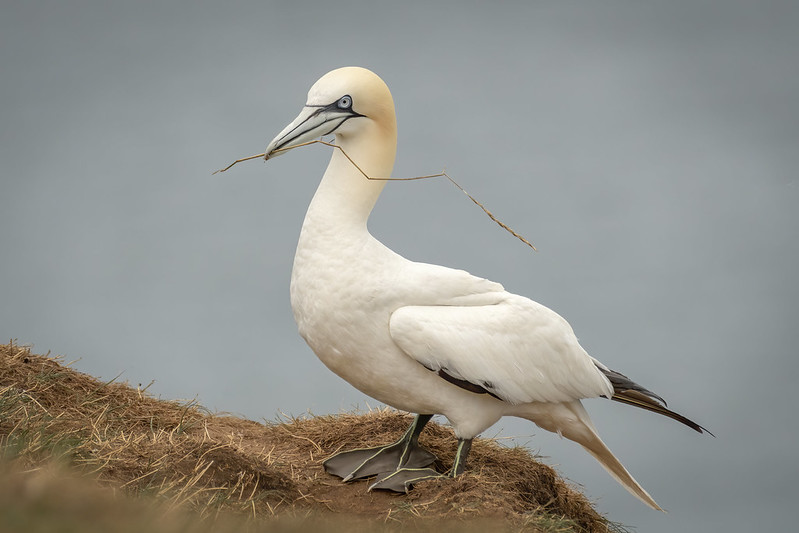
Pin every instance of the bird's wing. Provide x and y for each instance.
(515, 349)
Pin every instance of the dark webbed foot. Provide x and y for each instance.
(403, 479)
(365, 462)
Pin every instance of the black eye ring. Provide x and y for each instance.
(345, 102)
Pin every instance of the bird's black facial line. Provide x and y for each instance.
(334, 115)
(342, 104)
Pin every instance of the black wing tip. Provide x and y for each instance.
(696, 427)
(622, 384)
(699, 429)
(629, 392)
(662, 410)
(705, 430)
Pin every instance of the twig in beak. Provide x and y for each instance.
(237, 161)
(439, 175)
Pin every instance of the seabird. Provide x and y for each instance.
(424, 338)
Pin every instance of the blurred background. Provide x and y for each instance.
(648, 149)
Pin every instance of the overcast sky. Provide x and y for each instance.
(648, 149)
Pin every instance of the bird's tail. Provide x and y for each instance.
(571, 420)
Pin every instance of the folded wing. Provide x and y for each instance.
(515, 349)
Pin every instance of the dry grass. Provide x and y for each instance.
(209, 472)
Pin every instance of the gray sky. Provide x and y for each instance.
(648, 149)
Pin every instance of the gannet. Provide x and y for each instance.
(420, 337)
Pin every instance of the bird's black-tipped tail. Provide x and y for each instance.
(627, 391)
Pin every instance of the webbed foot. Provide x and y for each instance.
(402, 480)
(365, 462)
(398, 466)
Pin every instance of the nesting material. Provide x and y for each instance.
(127, 441)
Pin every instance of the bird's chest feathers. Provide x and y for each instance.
(338, 299)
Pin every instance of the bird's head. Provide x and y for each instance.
(349, 102)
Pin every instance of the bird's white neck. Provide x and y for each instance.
(345, 196)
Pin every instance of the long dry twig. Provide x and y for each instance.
(428, 176)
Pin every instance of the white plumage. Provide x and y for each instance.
(515, 348)
(419, 337)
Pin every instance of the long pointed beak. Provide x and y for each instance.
(312, 122)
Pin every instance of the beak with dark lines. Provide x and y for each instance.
(314, 121)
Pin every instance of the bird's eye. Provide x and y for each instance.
(345, 102)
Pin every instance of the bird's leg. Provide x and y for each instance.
(404, 478)
(464, 446)
(365, 462)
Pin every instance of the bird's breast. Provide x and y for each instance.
(338, 304)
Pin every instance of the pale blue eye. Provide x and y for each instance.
(345, 102)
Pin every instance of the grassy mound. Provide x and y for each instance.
(84, 452)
